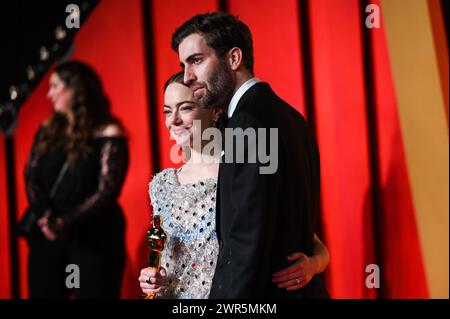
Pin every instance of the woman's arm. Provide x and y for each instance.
(300, 273)
(114, 165)
(113, 168)
(321, 256)
(38, 200)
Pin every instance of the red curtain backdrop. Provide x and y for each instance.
(339, 102)
(398, 239)
(5, 266)
(320, 58)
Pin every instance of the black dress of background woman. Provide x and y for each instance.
(82, 224)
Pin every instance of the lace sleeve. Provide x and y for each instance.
(114, 165)
(38, 199)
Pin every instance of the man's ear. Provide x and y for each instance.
(235, 58)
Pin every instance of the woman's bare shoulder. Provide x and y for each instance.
(110, 130)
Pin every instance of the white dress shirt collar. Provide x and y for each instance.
(239, 93)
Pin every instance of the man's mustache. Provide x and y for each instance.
(197, 85)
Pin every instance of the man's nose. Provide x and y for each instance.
(189, 76)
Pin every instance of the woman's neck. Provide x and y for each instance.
(200, 158)
(199, 166)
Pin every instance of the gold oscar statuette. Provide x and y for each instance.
(156, 241)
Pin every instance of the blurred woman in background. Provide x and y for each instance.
(74, 175)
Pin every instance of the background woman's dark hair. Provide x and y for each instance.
(222, 32)
(90, 108)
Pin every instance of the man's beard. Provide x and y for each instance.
(220, 87)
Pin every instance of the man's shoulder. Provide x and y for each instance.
(260, 92)
(261, 105)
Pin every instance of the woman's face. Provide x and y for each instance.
(181, 109)
(59, 94)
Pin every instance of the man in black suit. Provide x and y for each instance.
(264, 212)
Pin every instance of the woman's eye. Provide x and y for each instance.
(167, 112)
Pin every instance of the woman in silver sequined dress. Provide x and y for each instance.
(186, 199)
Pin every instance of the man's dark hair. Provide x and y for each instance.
(222, 32)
